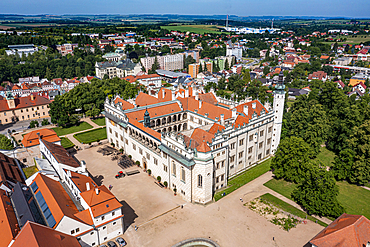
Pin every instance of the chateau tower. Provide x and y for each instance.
(146, 119)
(279, 98)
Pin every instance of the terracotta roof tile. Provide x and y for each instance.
(125, 105)
(8, 221)
(144, 99)
(32, 139)
(9, 170)
(209, 98)
(24, 102)
(60, 154)
(36, 235)
(346, 230)
(155, 111)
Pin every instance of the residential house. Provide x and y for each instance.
(318, 75)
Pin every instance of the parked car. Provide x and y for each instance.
(103, 245)
(112, 244)
(121, 241)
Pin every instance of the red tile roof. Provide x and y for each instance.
(144, 99)
(60, 154)
(32, 139)
(9, 170)
(125, 105)
(209, 98)
(24, 102)
(154, 111)
(8, 221)
(36, 235)
(346, 230)
(100, 203)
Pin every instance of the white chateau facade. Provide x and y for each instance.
(194, 141)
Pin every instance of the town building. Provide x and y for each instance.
(21, 49)
(195, 141)
(24, 108)
(318, 75)
(346, 230)
(66, 48)
(10, 172)
(193, 70)
(167, 62)
(119, 69)
(234, 50)
(152, 80)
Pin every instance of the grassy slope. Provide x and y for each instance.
(244, 178)
(325, 156)
(353, 198)
(91, 136)
(65, 131)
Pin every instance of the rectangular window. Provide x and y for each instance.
(140, 151)
(241, 142)
(72, 232)
(222, 177)
(250, 150)
(241, 154)
(259, 156)
(223, 163)
(267, 151)
(173, 168)
(155, 161)
(126, 142)
(260, 145)
(250, 157)
(200, 122)
(232, 146)
(251, 138)
(121, 138)
(133, 146)
(261, 133)
(217, 179)
(270, 129)
(192, 118)
(165, 168)
(183, 174)
(165, 155)
(115, 132)
(148, 156)
(103, 217)
(218, 165)
(77, 230)
(113, 213)
(268, 141)
(110, 130)
(232, 158)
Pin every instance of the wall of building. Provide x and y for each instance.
(27, 113)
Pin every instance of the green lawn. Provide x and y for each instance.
(99, 121)
(289, 208)
(91, 136)
(353, 198)
(79, 127)
(29, 171)
(350, 40)
(244, 178)
(201, 29)
(66, 143)
(325, 156)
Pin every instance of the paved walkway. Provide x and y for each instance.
(256, 188)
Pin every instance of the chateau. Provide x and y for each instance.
(195, 141)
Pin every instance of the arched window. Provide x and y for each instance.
(200, 180)
(174, 118)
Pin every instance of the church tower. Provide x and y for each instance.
(279, 98)
(146, 119)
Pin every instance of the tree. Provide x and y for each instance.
(200, 68)
(318, 192)
(292, 159)
(266, 70)
(5, 143)
(34, 124)
(45, 121)
(188, 60)
(48, 74)
(155, 66)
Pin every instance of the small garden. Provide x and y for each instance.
(88, 137)
(66, 143)
(69, 130)
(99, 121)
(29, 171)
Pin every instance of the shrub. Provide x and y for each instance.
(45, 122)
(149, 171)
(159, 179)
(112, 144)
(137, 163)
(174, 190)
(165, 183)
(121, 150)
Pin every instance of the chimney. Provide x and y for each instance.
(222, 116)
(173, 95)
(245, 110)
(233, 112)
(87, 186)
(200, 104)
(187, 93)
(163, 93)
(254, 104)
(196, 95)
(32, 97)
(97, 191)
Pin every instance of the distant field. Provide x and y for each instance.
(5, 27)
(201, 29)
(355, 40)
(10, 25)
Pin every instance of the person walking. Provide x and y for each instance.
(110, 187)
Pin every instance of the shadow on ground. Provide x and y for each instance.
(97, 179)
(129, 214)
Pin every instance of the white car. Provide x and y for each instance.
(121, 241)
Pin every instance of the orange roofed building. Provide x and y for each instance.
(32, 139)
(195, 141)
(79, 208)
(346, 230)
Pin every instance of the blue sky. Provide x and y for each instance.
(346, 8)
